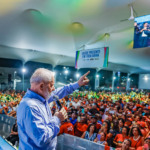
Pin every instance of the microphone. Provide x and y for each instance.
(57, 101)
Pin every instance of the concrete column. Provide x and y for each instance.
(96, 81)
(128, 82)
(113, 80)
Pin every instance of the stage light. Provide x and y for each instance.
(145, 78)
(77, 75)
(66, 72)
(76, 27)
(24, 70)
(97, 76)
(114, 78)
(128, 79)
(107, 35)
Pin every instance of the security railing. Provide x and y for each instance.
(6, 124)
(69, 142)
(64, 142)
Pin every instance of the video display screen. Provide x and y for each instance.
(142, 32)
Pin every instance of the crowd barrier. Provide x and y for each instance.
(69, 142)
(6, 124)
(64, 142)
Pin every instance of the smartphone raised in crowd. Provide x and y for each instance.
(99, 136)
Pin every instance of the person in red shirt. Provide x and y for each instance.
(80, 127)
(146, 145)
(125, 145)
(142, 126)
(94, 121)
(138, 118)
(67, 128)
(136, 138)
(128, 123)
(119, 139)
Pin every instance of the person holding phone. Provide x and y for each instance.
(101, 138)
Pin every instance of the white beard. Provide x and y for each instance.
(48, 95)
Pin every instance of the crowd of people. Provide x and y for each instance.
(9, 102)
(119, 120)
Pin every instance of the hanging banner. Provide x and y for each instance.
(94, 58)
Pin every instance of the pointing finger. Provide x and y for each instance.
(86, 74)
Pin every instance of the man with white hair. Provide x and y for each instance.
(37, 127)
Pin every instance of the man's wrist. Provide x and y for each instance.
(76, 85)
(79, 84)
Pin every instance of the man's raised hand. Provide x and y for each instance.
(84, 80)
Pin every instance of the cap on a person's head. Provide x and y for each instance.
(134, 109)
(130, 119)
(138, 105)
(105, 105)
(141, 123)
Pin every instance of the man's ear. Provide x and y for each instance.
(42, 86)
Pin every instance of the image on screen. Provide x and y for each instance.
(142, 32)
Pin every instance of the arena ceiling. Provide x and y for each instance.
(51, 31)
